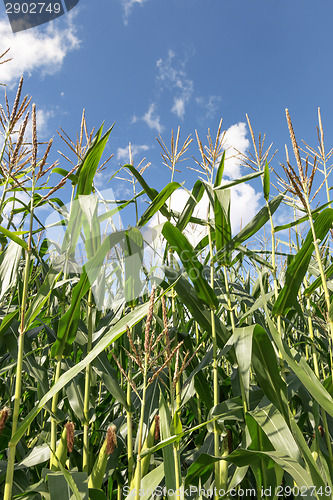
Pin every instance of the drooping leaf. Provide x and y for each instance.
(234, 182)
(266, 368)
(158, 202)
(12, 236)
(276, 429)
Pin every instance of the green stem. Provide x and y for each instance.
(85, 463)
(327, 300)
(53, 461)
(198, 397)
(138, 477)
(215, 372)
(129, 427)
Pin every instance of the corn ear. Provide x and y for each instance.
(145, 461)
(61, 451)
(98, 471)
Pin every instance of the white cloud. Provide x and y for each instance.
(35, 50)
(123, 153)
(244, 205)
(150, 118)
(179, 107)
(128, 6)
(175, 79)
(235, 140)
(42, 120)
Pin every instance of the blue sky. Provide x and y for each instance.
(151, 65)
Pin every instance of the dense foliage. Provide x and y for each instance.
(216, 375)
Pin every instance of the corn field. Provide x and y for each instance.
(148, 366)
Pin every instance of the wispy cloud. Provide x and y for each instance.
(210, 104)
(36, 50)
(172, 75)
(128, 6)
(150, 118)
(123, 153)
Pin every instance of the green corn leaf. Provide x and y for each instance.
(306, 453)
(96, 494)
(107, 337)
(246, 457)
(9, 264)
(302, 219)
(265, 365)
(194, 268)
(222, 220)
(41, 297)
(242, 341)
(317, 282)
(7, 321)
(301, 369)
(109, 376)
(152, 193)
(149, 484)
(266, 472)
(68, 323)
(251, 228)
(267, 184)
(196, 195)
(12, 236)
(62, 484)
(276, 429)
(220, 170)
(199, 468)
(91, 226)
(234, 182)
(300, 263)
(158, 202)
(199, 311)
(63, 172)
(174, 439)
(90, 163)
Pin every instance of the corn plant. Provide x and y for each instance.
(214, 380)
